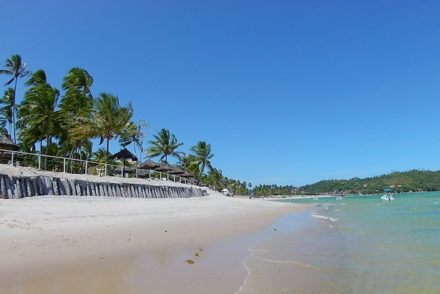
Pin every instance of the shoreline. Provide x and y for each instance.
(62, 232)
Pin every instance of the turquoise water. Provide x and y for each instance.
(374, 246)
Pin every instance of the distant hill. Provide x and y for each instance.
(414, 180)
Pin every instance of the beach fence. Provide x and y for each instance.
(84, 167)
(29, 186)
(16, 187)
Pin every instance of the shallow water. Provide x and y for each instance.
(354, 245)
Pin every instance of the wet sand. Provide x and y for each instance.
(118, 245)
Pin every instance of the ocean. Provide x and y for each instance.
(358, 244)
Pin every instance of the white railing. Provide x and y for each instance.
(79, 166)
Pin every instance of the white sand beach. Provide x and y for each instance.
(47, 233)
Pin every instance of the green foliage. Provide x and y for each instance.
(414, 180)
(202, 156)
(164, 145)
(133, 133)
(76, 108)
(6, 111)
(189, 163)
(66, 127)
(265, 190)
(15, 67)
(38, 117)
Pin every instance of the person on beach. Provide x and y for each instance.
(251, 194)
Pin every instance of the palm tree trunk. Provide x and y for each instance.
(13, 108)
(108, 154)
(201, 170)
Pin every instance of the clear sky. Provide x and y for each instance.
(286, 92)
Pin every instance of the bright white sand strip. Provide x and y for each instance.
(48, 231)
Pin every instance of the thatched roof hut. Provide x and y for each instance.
(164, 168)
(176, 171)
(186, 175)
(7, 144)
(124, 154)
(149, 164)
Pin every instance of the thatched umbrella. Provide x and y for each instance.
(163, 168)
(124, 154)
(176, 171)
(149, 164)
(7, 144)
(142, 173)
(187, 175)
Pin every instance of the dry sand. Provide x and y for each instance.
(44, 234)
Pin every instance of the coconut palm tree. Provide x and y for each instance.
(38, 117)
(188, 162)
(100, 155)
(133, 133)
(6, 108)
(16, 68)
(107, 121)
(75, 108)
(202, 152)
(164, 145)
(79, 79)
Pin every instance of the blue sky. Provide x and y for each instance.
(286, 92)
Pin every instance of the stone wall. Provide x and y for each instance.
(20, 187)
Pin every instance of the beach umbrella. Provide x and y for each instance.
(187, 175)
(124, 154)
(176, 171)
(142, 173)
(388, 190)
(163, 168)
(149, 164)
(7, 144)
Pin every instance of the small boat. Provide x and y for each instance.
(387, 197)
(339, 198)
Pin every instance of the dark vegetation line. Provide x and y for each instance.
(409, 181)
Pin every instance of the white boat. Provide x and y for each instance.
(387, 197)
(339, 198)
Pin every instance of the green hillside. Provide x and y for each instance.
(414, 180)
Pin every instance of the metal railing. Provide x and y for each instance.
(79, 166)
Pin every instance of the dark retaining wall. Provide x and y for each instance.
(20, 187)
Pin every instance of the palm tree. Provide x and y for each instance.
(188, 162)
(79, 79)
(38, 117)
(75, 108)
(107, 120)
(202, 152)
(16, 68)
(6, 108)
(100, 155)
(133, 133)
(165, 145)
